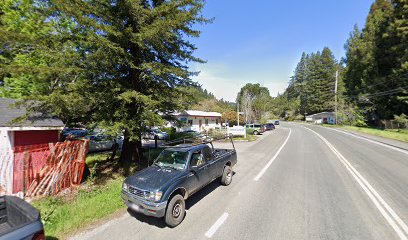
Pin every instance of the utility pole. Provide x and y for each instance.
(335, 96)
(238, 113)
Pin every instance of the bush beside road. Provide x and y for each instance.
(97, 198)
(63, 215)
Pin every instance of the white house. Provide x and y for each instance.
(198, 120)
(323, 117)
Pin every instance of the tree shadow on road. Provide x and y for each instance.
(202, 193)
(158, 222)
(190, 202)
(51, 238)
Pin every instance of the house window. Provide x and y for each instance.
(190, 122)
(206, 122)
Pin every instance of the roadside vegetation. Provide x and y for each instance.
(66, 214)
(396, 134)
(249, 138)
(97, 198)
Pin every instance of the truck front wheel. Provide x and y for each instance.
(226, 176)
(176, 209)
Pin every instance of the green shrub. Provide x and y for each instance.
(168, 130)
(401, 120)
(359, 123)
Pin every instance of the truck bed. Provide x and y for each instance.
(218, 152)
(15, 213)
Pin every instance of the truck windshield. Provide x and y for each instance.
(172, 158)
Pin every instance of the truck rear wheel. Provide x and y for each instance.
(226, 176)
(176, 209)
(256, 132)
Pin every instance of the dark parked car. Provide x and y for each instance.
(178, 172)
(74, 133)
(276, 123)
(268, 127)
(19, 220)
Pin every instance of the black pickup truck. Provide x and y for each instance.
(178, 172)
(19, 220)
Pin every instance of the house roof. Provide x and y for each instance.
(321, 114)
(199, 113)
(8, 113)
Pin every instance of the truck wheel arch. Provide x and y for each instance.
(182, 191)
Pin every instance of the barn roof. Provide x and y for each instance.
(321, 114)
(8, 113)
(199, 113)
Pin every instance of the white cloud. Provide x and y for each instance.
(276, 87)
(221, 87)
(227, 86)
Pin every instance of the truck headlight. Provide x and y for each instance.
(153, 196)
(125, 187)
(158, 196)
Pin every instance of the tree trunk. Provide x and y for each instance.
(131, 151)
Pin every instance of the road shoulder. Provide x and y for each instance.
(387, 141)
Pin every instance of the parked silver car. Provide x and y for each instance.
(151, 133)
(100, 142)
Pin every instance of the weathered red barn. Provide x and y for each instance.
(36, 129)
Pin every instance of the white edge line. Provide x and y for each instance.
(369, 140)
(370, 191)
(273, 158)
(91, 233)
(216, 225)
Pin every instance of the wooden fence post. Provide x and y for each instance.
(26, 170)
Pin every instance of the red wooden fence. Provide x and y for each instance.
(47, 169)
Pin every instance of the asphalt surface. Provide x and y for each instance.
(293, 183)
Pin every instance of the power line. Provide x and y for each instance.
(378, 94)
(384, 93)
(384, 81)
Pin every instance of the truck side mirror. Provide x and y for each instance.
(193, 169)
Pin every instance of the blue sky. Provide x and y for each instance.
(262, 41)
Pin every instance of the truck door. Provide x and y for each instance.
(199, 172)
(211, 162)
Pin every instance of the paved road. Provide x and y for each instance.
(294, 183)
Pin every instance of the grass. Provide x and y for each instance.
(62, 216)
(98, 157)
(249, 137)
(396, 134)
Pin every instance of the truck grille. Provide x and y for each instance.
(137, 192)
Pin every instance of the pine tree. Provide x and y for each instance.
(115, 63)
(298, 80)
(374, 73)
